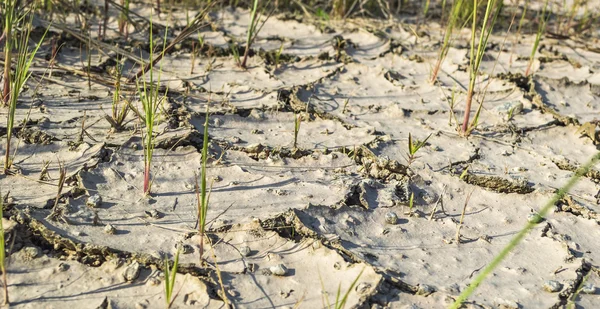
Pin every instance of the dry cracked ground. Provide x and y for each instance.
(325, 209)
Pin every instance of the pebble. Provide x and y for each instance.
(278, 270)
(245, 250)
(425, 289)
(552, 286)
(132, 271)
(94, 201)
(110, 229)
(505, 109)
(152, 214)
(588, 288)
(391, 218)
(31, 252)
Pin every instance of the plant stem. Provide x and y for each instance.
(251, 28)
(8, 12)
(465, 124)
(147, 178)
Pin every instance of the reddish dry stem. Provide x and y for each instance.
(147, 179)
(436, 70)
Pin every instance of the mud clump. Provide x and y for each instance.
(498, 184)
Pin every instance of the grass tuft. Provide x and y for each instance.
(151, 99)
(170, 276)
(15, 81)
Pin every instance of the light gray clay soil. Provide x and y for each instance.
(293, 222)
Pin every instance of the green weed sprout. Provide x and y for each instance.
(202, 195)
(17, 79)
(452, 22)
(478, 51)
(297, 121)
(235, 52)
(340, 300)
(119, 107)
(411, 203)
(524, 231)
(278, 56)
(151, 99)
(538, 36)
(414, 146)
(3, 254)
(170, 276)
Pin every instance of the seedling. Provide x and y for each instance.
(235, 52)
(119, 107)
(583, 170)
(297, 121)
(170, 276)
(16, 80)
(477, 52)
(538, 36)
(151, 99)
(464, 173)
(253, 30)
(572, 302)
(411, 202)
(202, 195)
(413, 148)
(278, 56)
(3, 253)
(340, 300)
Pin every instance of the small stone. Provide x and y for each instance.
(245, 251)
(363, 288)
(110, 229)
(425, 289)
(153, 281)
(278, 270)
(588, 288)
(94, 201)
(534, 218)
(132, 271)
(552, 286)
(513, 108)
(391, 218)
(153, 213)
(31, 252)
